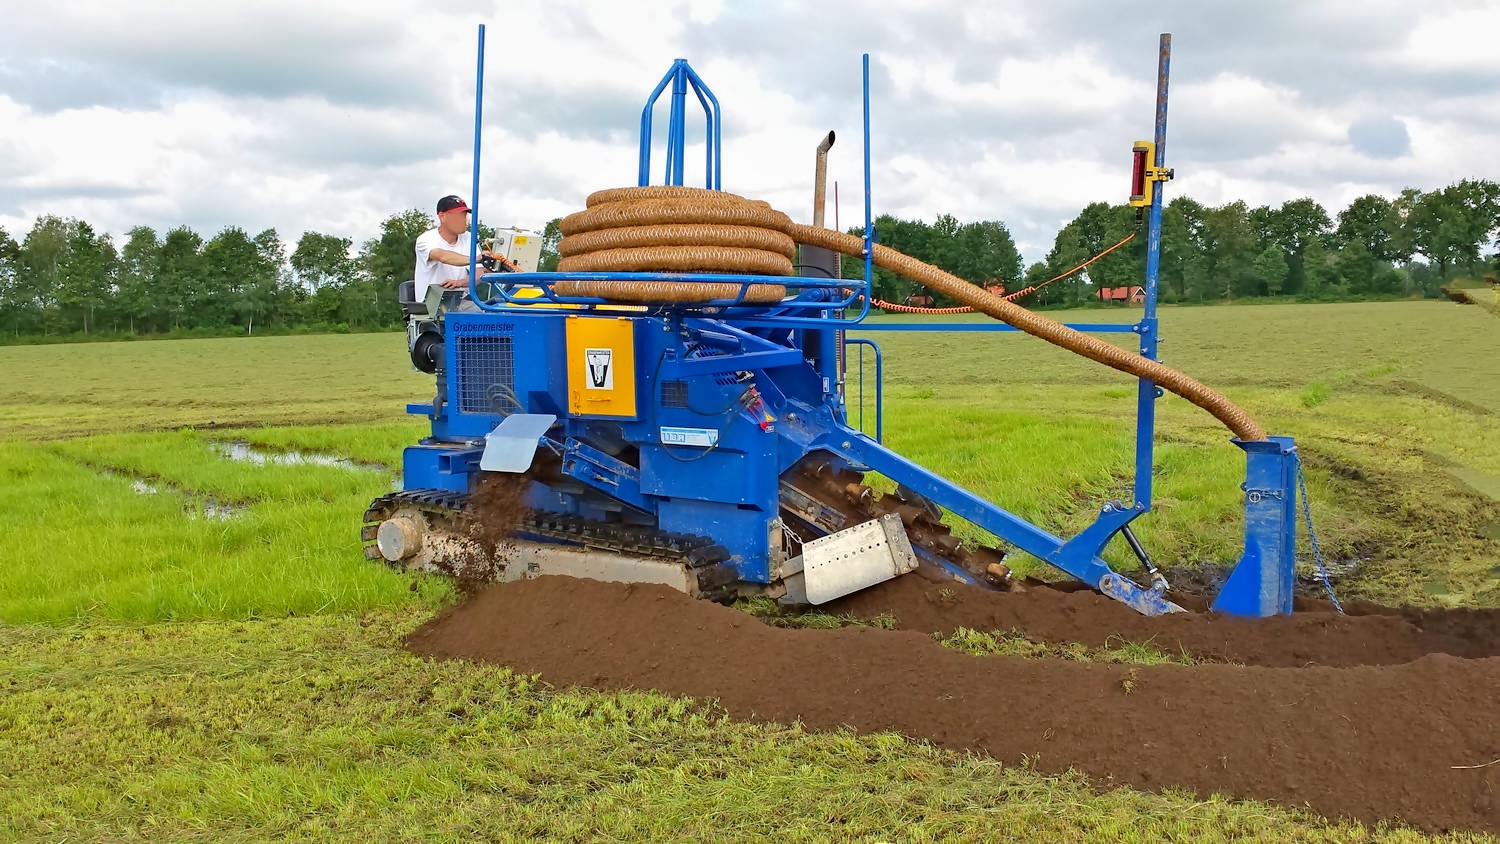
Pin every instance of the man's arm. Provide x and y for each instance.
(449, 257)
(454, 259)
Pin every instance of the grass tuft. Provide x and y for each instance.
(1015, 643)
(1315, 394)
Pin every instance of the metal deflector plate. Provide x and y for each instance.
(512, 445)
(856, 558)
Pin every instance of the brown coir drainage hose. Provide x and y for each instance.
(677, 229)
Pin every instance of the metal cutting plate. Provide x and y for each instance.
(856, 558)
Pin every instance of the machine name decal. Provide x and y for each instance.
(601, 371)
(701, 437)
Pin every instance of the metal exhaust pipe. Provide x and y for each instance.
(820, 195)
(820, 179)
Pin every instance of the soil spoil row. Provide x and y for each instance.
(1314, 635)
(1369, 742)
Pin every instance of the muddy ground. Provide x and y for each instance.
(1381, 715)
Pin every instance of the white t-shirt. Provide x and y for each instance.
(431, 271)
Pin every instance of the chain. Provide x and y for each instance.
(1313, 536)
(791, 537)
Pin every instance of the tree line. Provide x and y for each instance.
(1367, 250)
(65, 277)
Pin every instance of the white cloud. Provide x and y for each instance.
(1462, 40)
(329, 115)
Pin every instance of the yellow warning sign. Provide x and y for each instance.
(601, 366)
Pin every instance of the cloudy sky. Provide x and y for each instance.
(329, 115)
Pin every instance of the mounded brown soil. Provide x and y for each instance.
(1377, 740)
(1314, 635)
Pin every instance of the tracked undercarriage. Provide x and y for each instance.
(434, 530)
(445, 532)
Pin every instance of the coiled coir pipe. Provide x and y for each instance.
(678, 229)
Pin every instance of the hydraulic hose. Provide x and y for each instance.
(1226, 411)
(679, 229)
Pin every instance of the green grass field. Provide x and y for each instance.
(173, 673)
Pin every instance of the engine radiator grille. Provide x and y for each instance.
(483, 362)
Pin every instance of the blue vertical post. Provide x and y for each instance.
(474, 199)
(869, 221)
(1263, 581)
(709, 122)
(1147, 391)
(677, 124)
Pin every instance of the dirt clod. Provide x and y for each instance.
(1378, 740)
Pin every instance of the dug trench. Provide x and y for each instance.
(1387, 716)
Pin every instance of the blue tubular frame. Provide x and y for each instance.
(682, 77)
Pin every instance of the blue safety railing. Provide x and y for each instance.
(506, 292)
(879, 382)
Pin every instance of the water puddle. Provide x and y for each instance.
(243, 452)
(194, 506)
(213, 511)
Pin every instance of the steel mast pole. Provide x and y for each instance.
(1148, 392)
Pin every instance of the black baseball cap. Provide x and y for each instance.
(451, 203)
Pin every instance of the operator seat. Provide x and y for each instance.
(406, 294)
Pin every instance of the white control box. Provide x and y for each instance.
(519, 246)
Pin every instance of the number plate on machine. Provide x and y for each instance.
(702, 437)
